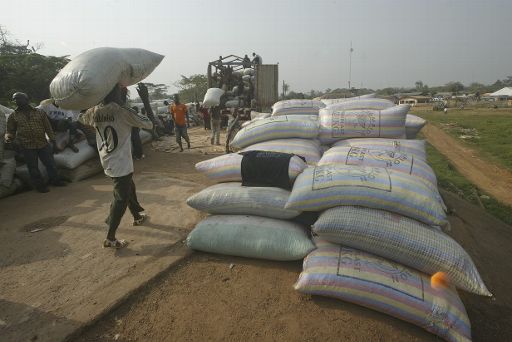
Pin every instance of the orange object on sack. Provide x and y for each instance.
(440, 280)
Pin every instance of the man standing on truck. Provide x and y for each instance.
(113, 122)
(256, 59)
(179, 113)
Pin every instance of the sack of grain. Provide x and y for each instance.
(328, 186)
(297, 107)
(233, 198)
(385, 286)
(89, 77)
(307, 148)
(212, 97)
(402, 240)
(14, 187)
(251, 237)
(90, 168)
(413, 125)
(68, 159)
(228, 168)
(282, 127)
(375, 104)
(396, 161)
(343, 124)
(412, 147)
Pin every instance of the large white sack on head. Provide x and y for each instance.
(90, 76)
(403, 240)
(385, 286)
(212, 97)
(328, 186)
(307, 148)
(233, 198)
(413, 125)
(228, 168)
(413, 147)
(343, 124)
(375, 104)
(297, 107)
(373, 157)
(367, 96)
(258, 115)
(282, 127)
(251, 237)
(68, 159)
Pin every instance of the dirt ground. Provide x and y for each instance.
(56, 281)
(491, 178)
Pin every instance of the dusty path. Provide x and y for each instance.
(488, 177)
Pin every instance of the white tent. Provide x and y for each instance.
(504, 92)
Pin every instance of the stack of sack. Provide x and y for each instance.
(249, 217)
(380, 240)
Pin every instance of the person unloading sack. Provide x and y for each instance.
(113, 122)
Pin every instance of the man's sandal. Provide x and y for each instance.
(140, 220)
(115, 243)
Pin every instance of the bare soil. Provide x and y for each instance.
(57, 281)
(489, 177)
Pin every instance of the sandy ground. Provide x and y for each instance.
(57, 280)
(492, 179)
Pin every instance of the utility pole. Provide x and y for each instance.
(350, 66)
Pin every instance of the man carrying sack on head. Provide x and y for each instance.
(113, 122)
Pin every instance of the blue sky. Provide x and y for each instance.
(395, 42)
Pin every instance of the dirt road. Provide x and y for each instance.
(55, 281)
(488, 177)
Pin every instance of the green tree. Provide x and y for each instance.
(22, 69)
(192, 88)
(157, 91)
(454, 87)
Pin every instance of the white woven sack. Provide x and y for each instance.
(297, 107)
(413, 125)
(68, 159)
(258, 115)
(282, 127)
(234, 103)
(373, 157)
(251, 237)
(343, 124)
(90, 76)
(248, 71)
(328, 186)
(145, 136)
(88, 169)
(228, 168)
(403, 240)
(375, 104)
(379, 284)
(307, 148)
(23, 174)
(233, 198)
(212, 97)
(412, 147)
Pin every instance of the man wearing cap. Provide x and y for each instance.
(30, 126)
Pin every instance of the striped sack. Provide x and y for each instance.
(396, 161)
(376, 104)
(282, 127)
(251, 237)
(338, 124)
(297, 107)
(414, 147)
(228, 168)
(233, 198)
(307, 148)
(413, 125)
(403, 240)
(327, 186)
(385, 286)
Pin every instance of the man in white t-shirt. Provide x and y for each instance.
(113, 122)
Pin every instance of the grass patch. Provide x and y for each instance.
(486, 130)
(451, 180)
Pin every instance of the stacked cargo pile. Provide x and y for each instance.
(248, 206)
(380, 241)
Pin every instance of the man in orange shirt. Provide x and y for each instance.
(179, 113)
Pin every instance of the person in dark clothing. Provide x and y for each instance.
(137, 150)
(246, 62)
(29, 126)
(215, 123)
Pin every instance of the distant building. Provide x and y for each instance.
(414, 100)
(503, 94)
